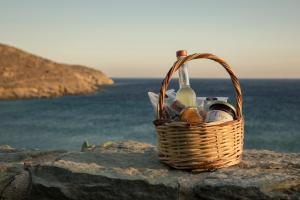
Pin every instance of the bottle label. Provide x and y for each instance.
(183, 76)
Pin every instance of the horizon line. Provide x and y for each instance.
(254, 78)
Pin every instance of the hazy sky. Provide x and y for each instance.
(139, 38)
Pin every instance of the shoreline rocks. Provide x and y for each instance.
(24, 75)
(131, 170)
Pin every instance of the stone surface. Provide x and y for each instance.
(23, 75)
(131, 170)
(15, 178)
(14, 182)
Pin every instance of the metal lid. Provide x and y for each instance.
(180, 53)
(223, 104)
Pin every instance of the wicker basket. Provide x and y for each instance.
(202, 147)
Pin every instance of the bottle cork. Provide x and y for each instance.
(180, 53)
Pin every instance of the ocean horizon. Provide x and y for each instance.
(123, 112)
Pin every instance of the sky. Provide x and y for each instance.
(258, 38)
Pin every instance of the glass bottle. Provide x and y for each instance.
(186, 95)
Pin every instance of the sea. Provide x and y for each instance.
(271, 108)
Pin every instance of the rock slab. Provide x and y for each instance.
(131, 170)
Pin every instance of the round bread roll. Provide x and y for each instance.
(191, 115)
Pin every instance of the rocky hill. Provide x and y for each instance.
(24, 75)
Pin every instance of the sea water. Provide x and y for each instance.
(123, 112)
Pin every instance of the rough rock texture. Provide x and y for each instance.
(23, 75)
(14, 182)
(15, 178)
(131, 170)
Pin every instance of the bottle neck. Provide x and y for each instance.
(184, 76)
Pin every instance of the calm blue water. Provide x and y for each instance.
(123, 111)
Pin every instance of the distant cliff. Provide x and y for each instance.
(23, 75)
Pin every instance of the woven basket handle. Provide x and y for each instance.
(181, 61)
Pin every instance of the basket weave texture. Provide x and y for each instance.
(202, 147)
